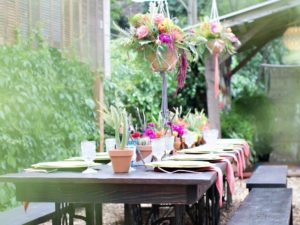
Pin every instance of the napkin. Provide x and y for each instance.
(229, 174)
(240, 162)
(246, 149)
(236, 159)
(219, 181)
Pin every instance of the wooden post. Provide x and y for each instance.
(99, 96)
(192, 12)
(212, 101)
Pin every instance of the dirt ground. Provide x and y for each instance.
(113, 213)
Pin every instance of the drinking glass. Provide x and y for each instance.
(169, 142)
(158, 147)
(210, 136)
(88, 153)
(190, 138)
(110, 143)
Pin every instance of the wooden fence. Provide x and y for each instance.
(80, 27)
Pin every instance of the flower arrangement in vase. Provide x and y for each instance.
(117, 118)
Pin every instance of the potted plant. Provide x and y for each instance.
(117, 118)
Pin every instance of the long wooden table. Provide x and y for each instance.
(135, 187)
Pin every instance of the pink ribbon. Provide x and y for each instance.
(217, 77)
(229, 174)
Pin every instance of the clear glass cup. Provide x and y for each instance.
(110, 143)
(210, 136)
(169, 142)
(158, 148)
(88, 153)
(190, 138)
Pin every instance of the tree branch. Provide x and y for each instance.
(184, 5)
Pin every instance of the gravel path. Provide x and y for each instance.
(113, 213)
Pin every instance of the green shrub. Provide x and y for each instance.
(250, 118)
(46, 108)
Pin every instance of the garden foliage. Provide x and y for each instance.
(46, 107)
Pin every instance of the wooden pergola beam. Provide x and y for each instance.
(243, 62)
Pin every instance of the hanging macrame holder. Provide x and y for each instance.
(216, 48)
(162, 8)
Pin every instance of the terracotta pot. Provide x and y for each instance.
(120, 159)
(166, 63)
(146, 150)
(216, 45)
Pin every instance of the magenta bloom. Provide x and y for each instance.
(181, 73)
(151, 125)
(179, 129)
(165, 38)
(148, 132)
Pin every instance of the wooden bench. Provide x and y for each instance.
(267, 206)
(268, 177)
(36, 213)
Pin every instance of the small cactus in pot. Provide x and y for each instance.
(117, 118)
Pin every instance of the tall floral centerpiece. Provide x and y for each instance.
(157, 39)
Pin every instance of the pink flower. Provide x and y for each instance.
(148, 132)
(232, 37)
(159, 18)
(179, 129)
(165, 38)
(151, 125)
(214, 27)
(142, 31)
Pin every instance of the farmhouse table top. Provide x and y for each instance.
(139, 186)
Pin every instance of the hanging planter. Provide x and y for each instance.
(165, 62)
(159, 41)
(215, 46)
(219, 40)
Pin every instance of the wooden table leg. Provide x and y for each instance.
(133, 214)
(179, 214)
(57, 215)
(155, 213)
(98, 214)
(215, 205)
(90, 214)
(94, 214)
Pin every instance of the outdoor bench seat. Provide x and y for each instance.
(36, 213)
(268, 176)
(267, 206)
